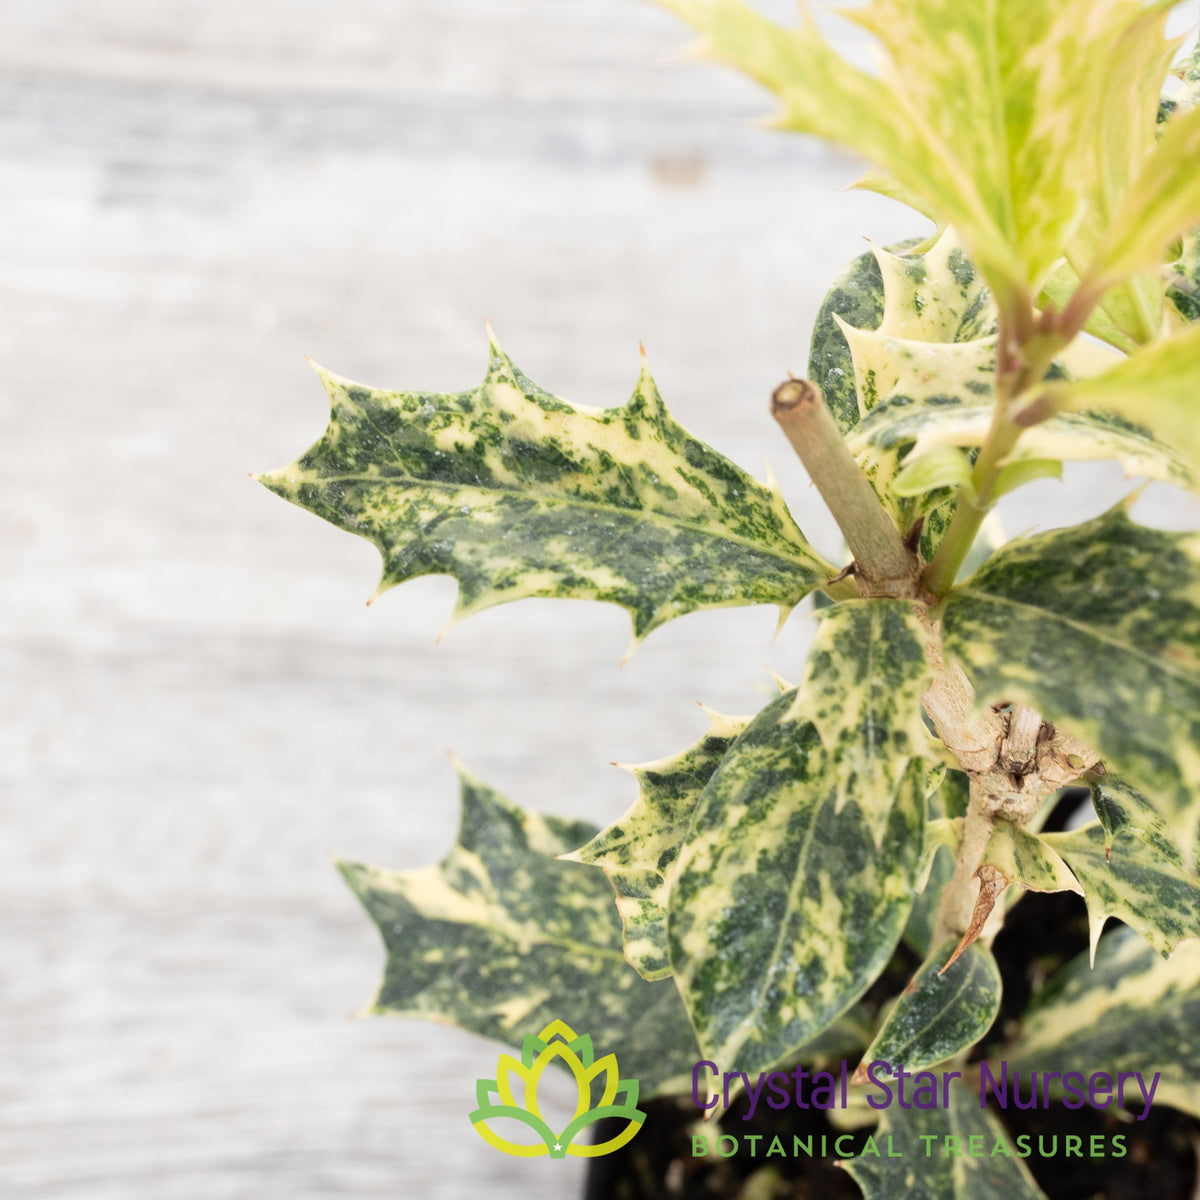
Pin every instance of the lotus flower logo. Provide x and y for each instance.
(617, 1097)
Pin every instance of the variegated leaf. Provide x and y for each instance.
(903, 429)
(1187, 71)
(856, 300)
(1133, 1012)
(500, 939)
(939, 1016)
(1183, 284)
(516, 493)
(1027, 860)
(1127, 879)
(924, 377)
(1154, 388)
(636, 851)
(943, 834)
(1123, 809)
(1097, 627)
(781, 910)
(862, 688)
(910, 1171)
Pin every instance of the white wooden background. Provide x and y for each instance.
(196, 709)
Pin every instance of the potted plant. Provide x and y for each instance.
(814, 933)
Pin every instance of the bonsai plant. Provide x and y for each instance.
(828, 880)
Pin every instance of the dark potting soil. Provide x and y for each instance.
(1040, 934)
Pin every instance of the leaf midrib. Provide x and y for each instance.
(812, 561)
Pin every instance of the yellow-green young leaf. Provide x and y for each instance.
(910, 1171)
(939, 1016)
(1028, 860)
(862, 689)
(516, 493)
(943, 466)
(1124, 131)
(1133, 1012)
(636, 851)
(1155, 388)
(1097, 627)
(1025, 470)
(1162, 202)
(822, 94)
(1128, 880)
(781, 910)
(500, 939)
(1007, 162)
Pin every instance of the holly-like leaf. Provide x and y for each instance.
(862, 689)
(500, 939)
(1097, 627)
(516, 493)
(924, 379)
(636, 850)
(781, 909)
(1154, 388)
(1127, 879)
(856, 300)
(905, 429)
(940, 1015)
(1133, 1012)
(1027, 860)
(910, 1170)
(1123, 809)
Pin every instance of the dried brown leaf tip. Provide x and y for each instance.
(992, 883)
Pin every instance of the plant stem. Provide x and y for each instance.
(970, 511)
(883, 564)
(958, 897)
(1025, 348)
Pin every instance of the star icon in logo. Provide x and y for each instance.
(558, 1145)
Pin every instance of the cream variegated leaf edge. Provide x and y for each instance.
(924, 375)
(804, 908)
(636, 851)
(1133, 1011)
(1126, 878)
(910, 1171)
(866, 671)
(500, 939)
(1112, 604)
(1155, 389)
(1026, 859)
(517, 493)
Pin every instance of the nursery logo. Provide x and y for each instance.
(618, 1097)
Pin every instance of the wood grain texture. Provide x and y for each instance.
(196, 708)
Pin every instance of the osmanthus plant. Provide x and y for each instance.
(766, 875)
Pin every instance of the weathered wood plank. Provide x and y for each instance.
(195, 706)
